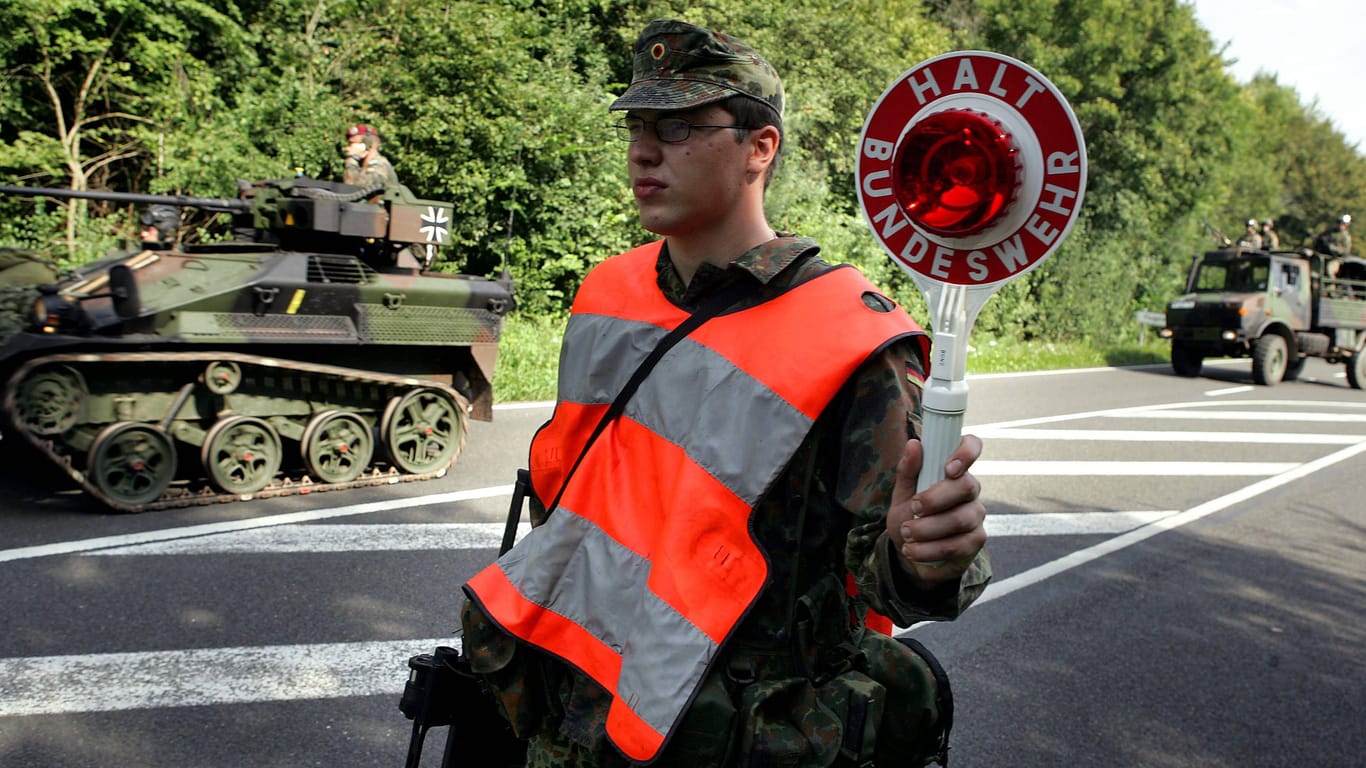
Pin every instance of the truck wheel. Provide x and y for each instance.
(1269, 360)
(1356, 369)
(1295, 368)
(1186, 361)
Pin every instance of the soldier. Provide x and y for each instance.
(160, 225)
(1251, 238)
(365, 166)
(1270, 240)
(1336, 240)
(717, 542)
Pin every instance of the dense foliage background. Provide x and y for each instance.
(500, 106)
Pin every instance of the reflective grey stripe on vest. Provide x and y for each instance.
(561, 563)
(692, 396)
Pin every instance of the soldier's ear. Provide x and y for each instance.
(765, 142)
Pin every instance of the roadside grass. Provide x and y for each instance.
(1010, 356)
(529, 354)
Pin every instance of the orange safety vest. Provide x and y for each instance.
(647, 563)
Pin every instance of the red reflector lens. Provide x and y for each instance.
(955, 172)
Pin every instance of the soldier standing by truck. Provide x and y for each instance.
(1336, 240)
(1251, 237)
(1270, 240)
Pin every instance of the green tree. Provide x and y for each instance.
(500, 106)
(1318, 175)
(95, 87)
(1160, 118)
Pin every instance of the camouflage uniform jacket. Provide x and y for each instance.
(1335, 242)
(852, 452)
(377, 171)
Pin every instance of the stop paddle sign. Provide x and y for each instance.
(971, 171)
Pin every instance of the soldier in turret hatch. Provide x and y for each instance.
(160, 225)
(365, 166)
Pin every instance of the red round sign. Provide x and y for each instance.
(971, 169)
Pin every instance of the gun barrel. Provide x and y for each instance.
(216, 204)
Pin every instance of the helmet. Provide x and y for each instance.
(165, 218)
(1266, 222)
(1345, 218)
(1252, 222)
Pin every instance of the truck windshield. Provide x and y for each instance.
(1245, 276)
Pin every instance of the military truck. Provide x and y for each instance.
(1277, 307)
(311, 350)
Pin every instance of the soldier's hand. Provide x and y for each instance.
(938, 531)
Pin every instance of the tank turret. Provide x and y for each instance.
(311, 351)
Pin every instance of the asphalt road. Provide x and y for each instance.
(1179, 582)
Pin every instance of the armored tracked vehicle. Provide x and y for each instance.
(313, 351)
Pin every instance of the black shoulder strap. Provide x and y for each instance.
(736, 289)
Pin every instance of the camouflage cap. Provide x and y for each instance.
(680, 66)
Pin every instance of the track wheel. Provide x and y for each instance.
(131, 463)
(222, 377)
(241, 454)
(50, 401)
(423, 430)
(337, 446)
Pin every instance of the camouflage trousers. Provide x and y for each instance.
(880, 711)
(546, 750)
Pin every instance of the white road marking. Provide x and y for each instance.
(118, 681)
(1169, 436)
(204, 676)
(1295, 416)
(102, 682)
(390, 537)
(990, 468)
(1228, 391)
(1109, 546)
(1070, 523)
(415, 537)
(165, 534)
(1193, 406)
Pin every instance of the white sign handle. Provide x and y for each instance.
(944, 400)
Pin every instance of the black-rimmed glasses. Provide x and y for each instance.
(670, 130)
